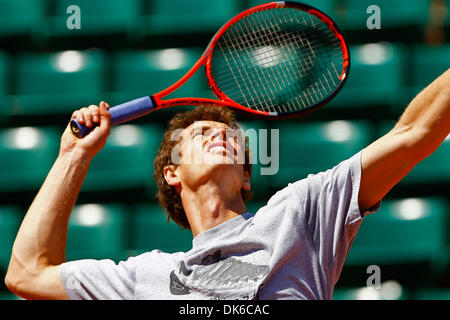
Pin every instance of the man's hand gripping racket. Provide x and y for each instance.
(277, 59)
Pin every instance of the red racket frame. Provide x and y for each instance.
(224, 100)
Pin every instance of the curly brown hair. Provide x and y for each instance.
(167, 196)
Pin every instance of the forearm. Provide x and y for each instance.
(42, 236)
(427, 117)
(40, 245)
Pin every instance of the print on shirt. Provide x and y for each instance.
(214, 275)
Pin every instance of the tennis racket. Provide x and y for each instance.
(274, 60)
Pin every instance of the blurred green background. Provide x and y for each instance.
(130, 48)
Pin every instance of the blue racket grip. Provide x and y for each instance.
(121, 113)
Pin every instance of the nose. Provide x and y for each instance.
(219, 133)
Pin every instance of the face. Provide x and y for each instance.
(210, 143)
(210, 148)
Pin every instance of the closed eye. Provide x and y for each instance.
(199, 131)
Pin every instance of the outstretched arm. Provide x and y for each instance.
(39, 248)
(422, 127)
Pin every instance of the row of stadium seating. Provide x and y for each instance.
(126, 162)
(48, 18)
(382, 74)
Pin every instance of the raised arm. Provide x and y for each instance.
(39, 248)
(422, 127)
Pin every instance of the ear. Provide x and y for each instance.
(246, 185)
(171, 175)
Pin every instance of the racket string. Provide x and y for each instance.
(265, 69)
(301, 64)
(277, 72)
(307, 94)
(254, 89)
(257, 47)
(334, 41)
(243, 95)
(289, 61)
(235, 79)
(257, 80)
(264, 54)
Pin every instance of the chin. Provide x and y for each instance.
(220, 159)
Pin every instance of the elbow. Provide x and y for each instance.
(19, 284)
(9, 283)
(12, 282)
(17, 279)
(13, 275)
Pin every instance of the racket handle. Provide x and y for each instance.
(121, 113)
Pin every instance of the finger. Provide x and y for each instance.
(105, 115)
(79, 116)
(87, 116)
(95, 112)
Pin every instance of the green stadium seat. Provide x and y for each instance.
(375, 78)
(4, 86)
(97, 231)
(143, 73)
(151, 230)
(20, 17)
(57, 83)
(10, 219)
(431, 294)
(254, 205)
(389, 290)
(433, 169)
(188, 17)
(402, 232)
(447, 16)
(26, 155)
(309, 148)
(413, 13)
(126, 161)
(3, 73)
(99, 17)
(9, 296)
(427, 63)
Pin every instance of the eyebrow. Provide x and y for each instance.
(205, 127)
(196, 128)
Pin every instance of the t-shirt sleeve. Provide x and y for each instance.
(99, 279)
(331, 212)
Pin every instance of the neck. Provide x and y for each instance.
(210, 205)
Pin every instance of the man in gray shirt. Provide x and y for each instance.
(292, 248)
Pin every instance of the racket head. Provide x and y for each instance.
(279, 59)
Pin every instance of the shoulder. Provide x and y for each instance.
(348, 170)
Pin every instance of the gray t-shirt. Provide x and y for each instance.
(292, 248)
